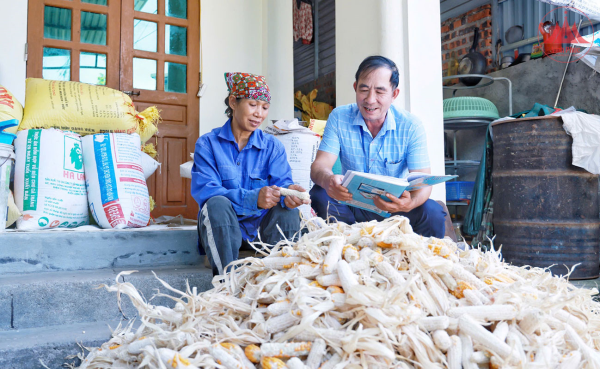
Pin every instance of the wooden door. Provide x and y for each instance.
(159, 62)
(149, 48)
(74, 40)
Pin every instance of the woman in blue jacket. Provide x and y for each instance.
(236, 177)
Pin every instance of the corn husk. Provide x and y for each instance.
(412, 313)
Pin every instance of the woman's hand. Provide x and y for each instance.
(268, 197)
(293, 202)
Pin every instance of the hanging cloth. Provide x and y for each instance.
(303, 22)
(296, 20)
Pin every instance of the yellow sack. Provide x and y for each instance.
(317, 126)
(84, 109)
(312, 109)
(10, 108)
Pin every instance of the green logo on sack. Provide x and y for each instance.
(73, 160)
(43, 221)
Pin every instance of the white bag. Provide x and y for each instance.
(149, 165)
(585, 130)
(49, 180)
(116, 187)
(185, 169)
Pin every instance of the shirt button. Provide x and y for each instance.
(238, 163)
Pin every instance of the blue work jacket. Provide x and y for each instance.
(221, 169)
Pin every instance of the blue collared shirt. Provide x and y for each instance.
(221, 169)
(400, 146)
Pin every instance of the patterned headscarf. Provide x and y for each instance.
(248, 86)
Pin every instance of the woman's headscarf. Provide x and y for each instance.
(248, 86)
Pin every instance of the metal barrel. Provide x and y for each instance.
(545, 209)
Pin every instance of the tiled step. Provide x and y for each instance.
(48, 347)
(89, 249)
(57, 298)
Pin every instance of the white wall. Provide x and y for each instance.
(13, 28)
(357, 36)
(231, 32)
(396, 29)
(253, 36)
(278, 57)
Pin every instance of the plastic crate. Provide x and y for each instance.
(459, 190)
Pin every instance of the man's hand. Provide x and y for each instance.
(293, 202)
(335, 190)
(403, 204)
(268, 197)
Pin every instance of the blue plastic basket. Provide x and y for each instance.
(459, 190)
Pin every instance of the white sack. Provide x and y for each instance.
(49, 180)
(117, 190)
(585, 130)
(301, 146)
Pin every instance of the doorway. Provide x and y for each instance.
(146, 48)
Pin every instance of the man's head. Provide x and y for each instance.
(376, 87)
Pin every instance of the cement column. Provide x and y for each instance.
(393, 29)
(425, 79)
(278, 57)
(408, 32)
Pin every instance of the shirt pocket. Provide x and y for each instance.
(394, 169)
(229, 177)
(258, 179)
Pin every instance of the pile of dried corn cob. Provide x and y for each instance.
(370, 295)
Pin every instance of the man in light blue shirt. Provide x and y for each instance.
(372, 136)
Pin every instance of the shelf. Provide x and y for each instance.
(457, 203)
(484, 84)
(455, 124)
(461, 163)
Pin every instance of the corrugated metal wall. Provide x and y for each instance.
(529, 14)
(304, 55)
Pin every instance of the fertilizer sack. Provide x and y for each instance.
(115, 182)
(84, 109)
(10, 108)
(49, 180)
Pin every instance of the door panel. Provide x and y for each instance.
(174, 66)
(169, 114)
(99, 41)
(174, 156)
(62, 33)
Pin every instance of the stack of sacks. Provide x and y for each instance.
(52, 184)
(58, 173)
